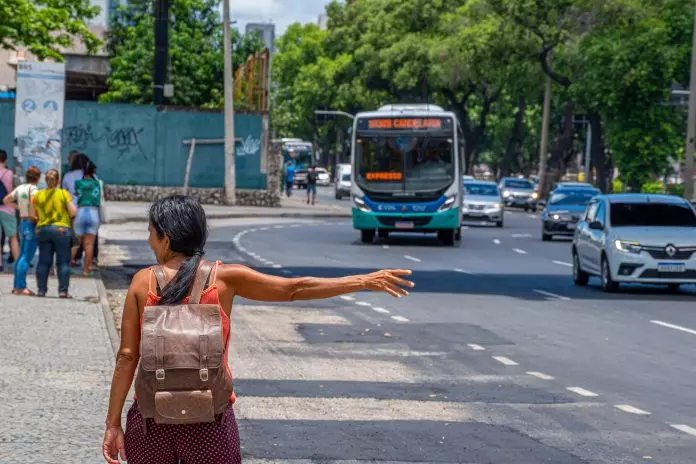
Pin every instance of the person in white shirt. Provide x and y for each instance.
(76, 172)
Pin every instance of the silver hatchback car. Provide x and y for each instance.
(482, 202)
(636, 238)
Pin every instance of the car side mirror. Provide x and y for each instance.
(596, 225)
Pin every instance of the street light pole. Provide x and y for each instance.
(230, 171)
(691, 125)
(334, 113)
(543, 148)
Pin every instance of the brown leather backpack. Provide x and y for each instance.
(182, 376)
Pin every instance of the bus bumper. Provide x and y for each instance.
(425, 222)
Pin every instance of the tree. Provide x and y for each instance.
(195, 51)
(46, 26)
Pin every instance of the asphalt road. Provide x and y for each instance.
(494, 358)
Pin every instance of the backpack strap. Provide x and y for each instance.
(161, 278)
(199, 284)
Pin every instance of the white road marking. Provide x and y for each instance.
(517, 250)
(386, 247)
(533, 216)
(285, 271)
(684, 428)
(563, 263)
(412, 258)
(264, 228)
(465, 227)
(381, 310)
(347, 298)
(631, 409)
(551, 295)
(540, 375)
(674, 326)
(295, 226)
(505, 361)
(399, 318)
(581, 391)
(521, 235)
(363, 303)
(279, 227)
(277, 266)
(252, 230)
(496, 241)
(463, 271)
(476, 347)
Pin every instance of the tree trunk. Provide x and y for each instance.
(600, 161)
(516, 140)
(562, 144)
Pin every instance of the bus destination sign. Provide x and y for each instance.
(371, 124)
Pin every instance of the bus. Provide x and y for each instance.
(407, 170)
(301, 154)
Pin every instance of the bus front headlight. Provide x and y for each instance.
(447, 205)
(362, 206)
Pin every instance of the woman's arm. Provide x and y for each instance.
(129, 351)
(253, 285)
(32, 212)
(10, 199)
(72, 210)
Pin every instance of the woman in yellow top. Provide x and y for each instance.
(53, 210)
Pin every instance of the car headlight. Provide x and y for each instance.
(556, 217)
(628, 247)
(362, 206)
(506, 194)
(447, 205)
(535, 196)
(496, 206)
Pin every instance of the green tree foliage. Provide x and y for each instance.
(196, 61)
(44, 26)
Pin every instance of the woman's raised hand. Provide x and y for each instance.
(389, 281)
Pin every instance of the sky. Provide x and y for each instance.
(281, 12)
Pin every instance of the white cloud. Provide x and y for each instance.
(281, 12)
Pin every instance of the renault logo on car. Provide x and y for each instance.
(670, 250)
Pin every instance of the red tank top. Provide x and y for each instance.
(209, 296)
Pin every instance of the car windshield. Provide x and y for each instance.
(652, 214)
(345, 177)
(572, 197)
(481, 189)
(518, 184)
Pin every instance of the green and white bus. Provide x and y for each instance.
(407, 172)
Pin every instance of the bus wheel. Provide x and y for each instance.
(446, 237)
(367, 235)
(384, 234)
(458, 234)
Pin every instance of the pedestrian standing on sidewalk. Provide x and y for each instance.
(312, 184)
(53, 210)
(158, 429)
(86, 223)
(289, 178)
(8, 219)
(21, 198)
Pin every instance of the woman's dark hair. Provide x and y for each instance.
(89, 169)
(79, 162)
(33, 174)
(182, 219)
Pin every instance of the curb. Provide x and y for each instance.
(126, 219)
(107, 313)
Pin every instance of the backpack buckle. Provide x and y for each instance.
(203, 373)
(159, 374)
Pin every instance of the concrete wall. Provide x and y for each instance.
(139, 145)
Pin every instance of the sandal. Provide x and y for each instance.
(23, 292)
(41, 294)
(64, 295)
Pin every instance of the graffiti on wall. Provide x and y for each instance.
(124, 140)
(250, 146)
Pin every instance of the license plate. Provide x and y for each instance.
(671, 267)
(571, 226)
(403, 225)
(475, 213)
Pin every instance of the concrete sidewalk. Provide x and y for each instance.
(119, 212)
(55, 374)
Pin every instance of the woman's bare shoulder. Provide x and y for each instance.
(140, 283)
(230, 271)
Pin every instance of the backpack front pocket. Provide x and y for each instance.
(184, 407)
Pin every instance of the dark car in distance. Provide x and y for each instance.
(564, 209)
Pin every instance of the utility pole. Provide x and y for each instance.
(543, 148)
(691, 125)
(230, 171)
(588, 151)
(161, 50)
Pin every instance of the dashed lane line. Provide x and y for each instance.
(674, 326)
(551, 295)
(363, 303)
(540, 375)
(277, 266)
(521, 235)
(380, 310)
(562, 263)
(264, 228)
(496, 241)
(411, 258)
(347, 298)
(520, 251)
(505, 361)
(279, 227)
(631, 409)
(386, 247)
(684, 428)
(581, 391)
(476, 347)
(463, 271)
(399, 318)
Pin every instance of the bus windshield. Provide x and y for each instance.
(410, 163)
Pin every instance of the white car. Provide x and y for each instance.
(636, 238)
(323, 177)
(343, 185)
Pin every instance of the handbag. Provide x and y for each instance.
(102, 204)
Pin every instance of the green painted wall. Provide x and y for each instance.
(138, 145)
